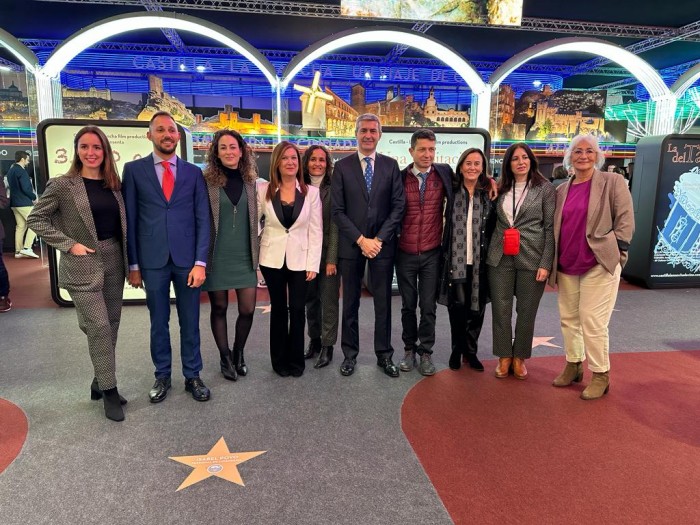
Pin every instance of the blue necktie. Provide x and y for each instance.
(369, 173)
(424, 178)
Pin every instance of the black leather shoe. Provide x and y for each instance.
(159, 390)
(198, 389)
(389, 367)
(227, 369)
(455, 361)
(282, 372)
(296, 373)
(474, 362)
(96, 393)
(313, 349)
(239, 362)
(348, 367)
(325, 357)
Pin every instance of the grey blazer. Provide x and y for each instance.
(62, 217)
(329, 249)
(535, 221)
(214, 193)
(610, 220)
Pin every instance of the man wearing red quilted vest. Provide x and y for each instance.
(427, 186)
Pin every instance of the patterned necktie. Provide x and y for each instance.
(424, 178)
(168, 180)
(369, 173)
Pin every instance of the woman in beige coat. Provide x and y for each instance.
(593, 227)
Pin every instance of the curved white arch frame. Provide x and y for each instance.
(687, 79)
(109, 27)
(664, 99)
(393, 35)
(19, 50)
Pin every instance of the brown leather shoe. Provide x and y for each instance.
(572, 373)
(519, 369)
(503, 368)
(600, 384)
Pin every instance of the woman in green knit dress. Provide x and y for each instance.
(233, 249)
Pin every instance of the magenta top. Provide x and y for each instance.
(575, 256)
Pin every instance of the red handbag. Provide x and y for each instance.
(511, 241)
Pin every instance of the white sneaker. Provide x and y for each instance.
(18, 256)
(27, 252)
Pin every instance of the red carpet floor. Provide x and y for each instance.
(510, 451)
(13, 432)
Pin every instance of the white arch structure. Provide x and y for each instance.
(394, 35)
(664, 99)
(687, 79)
(86, 37)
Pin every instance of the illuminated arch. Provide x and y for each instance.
(664, 99)
(405, 37)
(687, 79)
(88, 36)
(19, 50)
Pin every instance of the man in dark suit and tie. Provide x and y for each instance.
(367, 205)
(167, 212)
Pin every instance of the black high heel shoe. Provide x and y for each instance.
(113, 405)
(239, 362)
(96, 393)
(227, 368)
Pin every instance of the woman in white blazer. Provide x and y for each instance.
(290, 253)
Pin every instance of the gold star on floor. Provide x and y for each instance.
(219, 462)
(543, 341)
(265, 309)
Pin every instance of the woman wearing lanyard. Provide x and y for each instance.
(520, 256)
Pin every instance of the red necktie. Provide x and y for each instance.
(168, 180)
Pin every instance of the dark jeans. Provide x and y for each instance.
(418, 277)
(4, 277)
(381, 272)
(287, 290)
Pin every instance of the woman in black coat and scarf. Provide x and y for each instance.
(465, 242)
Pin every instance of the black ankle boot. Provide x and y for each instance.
(96, 393)
(325, 357)
(113, 408)
(239, 362)
(313, 349)
(227, 368)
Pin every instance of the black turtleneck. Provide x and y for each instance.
(234, 184)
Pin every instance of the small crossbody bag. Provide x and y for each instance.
(511, 236)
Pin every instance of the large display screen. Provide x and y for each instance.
(493, 12)
(676, 252)
(55, 141)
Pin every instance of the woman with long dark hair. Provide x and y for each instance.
(81, 214)
(466, 237)
(233, 247)
(290, 253)
(520, 256)
(322, 293)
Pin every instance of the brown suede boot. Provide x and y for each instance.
(573, 373)
(600, 384)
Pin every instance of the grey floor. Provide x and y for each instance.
(335, 450)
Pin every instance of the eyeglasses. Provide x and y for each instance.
(579, 151)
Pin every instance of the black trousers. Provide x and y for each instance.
(465, 323)
(287, 290)
(4, 278)
(417, 276)
(381, 272)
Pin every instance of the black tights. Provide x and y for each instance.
(219, 326)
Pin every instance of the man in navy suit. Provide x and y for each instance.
(167, 212)
(367, 205)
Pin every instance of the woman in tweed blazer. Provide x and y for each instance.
(81, 214)
(593, 227)
(233, 247)
(526, 203)
(322, 293)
